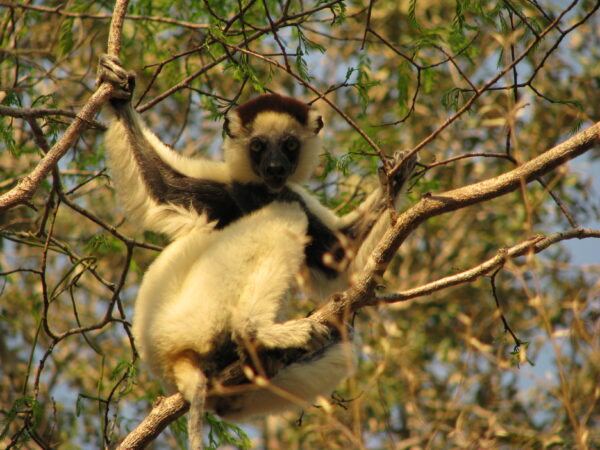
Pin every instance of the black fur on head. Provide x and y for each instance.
(248, 111)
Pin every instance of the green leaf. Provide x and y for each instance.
(428, 78)
(11, 98)
(301, 65)
(223, 433)
(65, 37)
(7, 138)
(412, 14)
(363, 81)
(21, 406)
(450, 99)
(96, 243)
(130, 371)
(338, 11)
(402, 87)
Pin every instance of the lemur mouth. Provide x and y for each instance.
(274, 183)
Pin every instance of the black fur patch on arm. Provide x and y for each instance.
(324, 241)
(204, 196)
(167, 185)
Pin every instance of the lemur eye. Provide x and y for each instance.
(292, 144)
(256, 145)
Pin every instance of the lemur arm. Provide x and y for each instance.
(160, 189)
(359, 231)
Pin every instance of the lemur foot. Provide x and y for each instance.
(307, 334)
(282, 344)
(400, 175)
(303, 334)
(111, 70)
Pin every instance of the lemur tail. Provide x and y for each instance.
(196, 416)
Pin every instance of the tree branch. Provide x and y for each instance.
(59, 10)
(36, 113)
(535, 244)
(164, 411)
(27, 186)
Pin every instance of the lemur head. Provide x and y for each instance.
(272, 139)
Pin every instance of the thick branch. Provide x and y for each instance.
(116, 27)
(164, 411)
(26, 187)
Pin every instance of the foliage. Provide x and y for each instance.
(440, 371)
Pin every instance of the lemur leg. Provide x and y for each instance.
(275, 267)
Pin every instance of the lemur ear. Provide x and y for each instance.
(226, 129)
(319, 124)
(232, 125)
(315, 121)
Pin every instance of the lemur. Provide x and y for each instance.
(242, 231)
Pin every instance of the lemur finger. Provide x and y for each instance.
(382, 174)
(404, 173)
(110, 70)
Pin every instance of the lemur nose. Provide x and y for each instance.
(275, 170)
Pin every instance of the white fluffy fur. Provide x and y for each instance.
(192, 283)
(190, 294)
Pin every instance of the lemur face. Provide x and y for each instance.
(272, 136)
(274, 158)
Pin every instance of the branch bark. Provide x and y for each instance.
(27, 186)
(164, 411)
(361, 294)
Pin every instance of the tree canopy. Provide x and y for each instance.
(477, 315)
